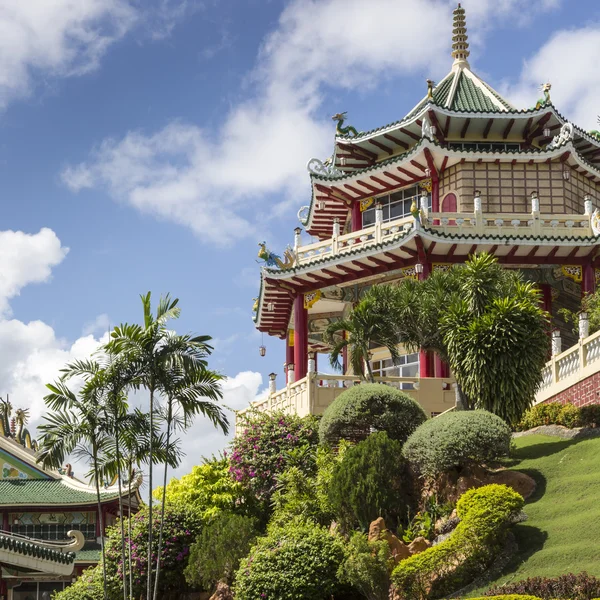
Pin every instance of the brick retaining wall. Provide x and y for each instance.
(586, 391)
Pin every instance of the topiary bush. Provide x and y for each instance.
(267, 446)
(370, 407)
(371, 481)
(299, 560)
(457, 439)
(509, 597)
(590, 415)
(485, 515)
(572, 587)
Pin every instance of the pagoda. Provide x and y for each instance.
(50, 528)
(463, 172)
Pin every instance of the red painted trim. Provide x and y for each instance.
(356, 217)
(486, 131)
(395, 140)
(426, 364)
(588, 282)
(465, 128)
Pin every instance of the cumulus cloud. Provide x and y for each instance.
(214, 183)
(42, 39)
(569, 60)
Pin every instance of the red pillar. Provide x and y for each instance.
(426, 358)
(546, 297)
(435, 193)
(588, 281)
(356, 217)
(300, 338)
(289, 350)
(441, 367)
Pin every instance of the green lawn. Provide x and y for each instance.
(562, 533)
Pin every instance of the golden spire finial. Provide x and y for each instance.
(460, 43)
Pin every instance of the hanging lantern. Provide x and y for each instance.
(546, 131)
(262, 350)
(566, 173)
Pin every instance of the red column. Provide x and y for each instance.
(435, 193)
(289, 350)
(300, 338)
(426, 358)
(546, 297)
(588, 282)
(356, 217)
(441, 367)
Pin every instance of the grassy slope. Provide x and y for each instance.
(562, 533)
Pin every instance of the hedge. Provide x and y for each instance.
(485, 515)
(456, 439)
(564, 587)
(370, 407)
(555, 413)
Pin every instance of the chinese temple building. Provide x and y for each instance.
(463, 172)
(50, 527)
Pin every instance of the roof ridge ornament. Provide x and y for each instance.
(565, 135)
(594, 132)
(316, 166)
(348, 130)
(545, 101)
(460, 43)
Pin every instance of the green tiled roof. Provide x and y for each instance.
(87, 556)
(470, 97)
(440, 93)
(45, 491)
(30, 548)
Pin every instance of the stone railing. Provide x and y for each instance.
(475, 223)
(569, 367)
(313, 394)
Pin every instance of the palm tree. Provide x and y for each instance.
(146, 346)
(368, 324)
(188, 392)
(76, 427)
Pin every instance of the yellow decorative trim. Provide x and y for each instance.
(597, 276)
(408, 272)
(366, 203)
(426, 185)
(441, 266)
(311, 299)
(574, 272)
(291, 338)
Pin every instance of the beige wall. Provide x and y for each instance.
(507, 188)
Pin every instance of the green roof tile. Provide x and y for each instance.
(87, 556)
(45, 492)
(469, 97)
(34, 549)
(440, 93)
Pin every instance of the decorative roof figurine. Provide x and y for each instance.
(274, 260)
(545, 87)
(460, 44)
(22, 435)
(5, 412)
(430, 86)
(348, 130)
(594, 132)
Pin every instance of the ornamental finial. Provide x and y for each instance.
(460, 44)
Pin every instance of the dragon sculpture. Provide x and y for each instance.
(5, 412)
(22, 435)
(273, 260)
(595, 133)
(545, 87)
(348, 130)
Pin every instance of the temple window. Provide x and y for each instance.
(407, 366)
(54, 531)
(395, 206)
(489, 146)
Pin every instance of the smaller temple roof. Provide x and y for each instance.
(46, 492)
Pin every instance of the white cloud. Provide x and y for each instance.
(569, 60)
(101, 324)
(26, 258)
(213, 184)
(45, 39)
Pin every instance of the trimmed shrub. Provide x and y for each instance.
(299, 560)
(267, 446)
(485, 515)
(509, 597)
(370, 482)
(572, 587)
(457, 439)
(590, 415)
(370, 407)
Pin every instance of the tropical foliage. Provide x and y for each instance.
(371, 481)
(300, 560)
(555, 413)
(267, 445)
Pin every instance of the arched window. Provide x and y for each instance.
(449, 203)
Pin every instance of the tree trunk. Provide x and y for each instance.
(162, 508)
(369, 371)
(129, 531)
(100, 519)
(151, 449)
(121, 516)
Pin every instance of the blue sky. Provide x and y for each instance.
(159, 141)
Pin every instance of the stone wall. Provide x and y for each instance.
(506, 188)
(586, 391)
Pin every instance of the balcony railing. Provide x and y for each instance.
(569, 367)
(476, 223)
(313, 394)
